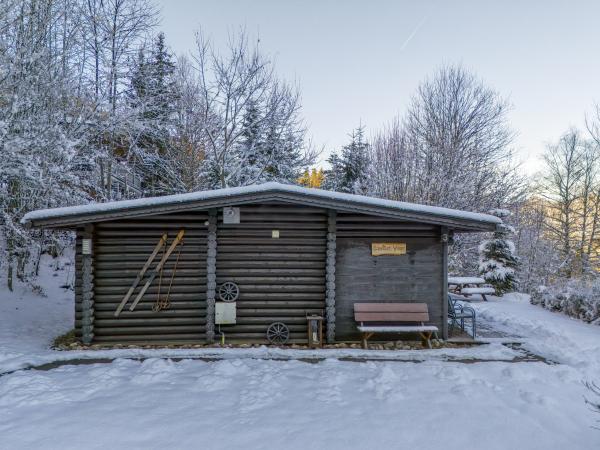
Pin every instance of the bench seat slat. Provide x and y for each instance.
(391, 307)
(397, 328)
(478, 290)
(391, 316)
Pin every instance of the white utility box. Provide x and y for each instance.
(225, 313)
(231, 215)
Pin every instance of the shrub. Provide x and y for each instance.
(577, 298)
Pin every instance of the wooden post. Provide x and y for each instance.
(444, 231)
(330, 277)
(211, 274)
(87, 288)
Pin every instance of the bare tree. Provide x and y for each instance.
(452, 149)
(250, 116)
(113, 30)
(570, 188)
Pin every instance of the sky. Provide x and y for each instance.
(359, 62)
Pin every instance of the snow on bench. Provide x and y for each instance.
(465, 280)
(483, 291)
(381, 317)
(398, 329)
(478, 290)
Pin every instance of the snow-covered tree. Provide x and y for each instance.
(498, 262)
(153, 98)
(349, 170)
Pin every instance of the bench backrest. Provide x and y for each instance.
(391, 312)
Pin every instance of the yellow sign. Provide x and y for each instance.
(388, 248)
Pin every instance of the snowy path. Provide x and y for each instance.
(551, 335)
(254, 404)
(244, 402)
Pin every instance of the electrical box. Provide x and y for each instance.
(225, 313)
(231, 215)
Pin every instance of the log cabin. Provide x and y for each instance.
(289, 251)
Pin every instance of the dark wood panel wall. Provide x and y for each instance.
(280, 279)
(416, 276)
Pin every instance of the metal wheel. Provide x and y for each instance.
(278, 333)
(229, 291)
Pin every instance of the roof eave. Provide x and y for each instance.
(454, 223)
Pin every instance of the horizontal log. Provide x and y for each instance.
(229, 263)
(269, 256)
(265, 321)
(265, 272)
(264, 312)
(383, 224)
(148, 322)
(147, 234)
(283, 240)
(139, 244)
(272, 280)
(149, 314)
(179, 280)
(135, 266)
(146, 307)
(280, 225)
(278, 305)
(384, 234)
(183, 338)
(131, 273)
(153, 289)
(266, 233)
(143, 257)
(349, 217)
(279, 288)
(272, 247)
(158, 225)
(156, 330)
(280, 207)
(175, 297)
(260, 336)
(251, 217)
(260, 328)
(285, 297)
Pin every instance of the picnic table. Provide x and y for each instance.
(467, 286)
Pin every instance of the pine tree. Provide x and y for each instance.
(348, 171)
(152, 96)
(498, 262)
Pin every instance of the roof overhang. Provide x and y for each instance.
(70, 217)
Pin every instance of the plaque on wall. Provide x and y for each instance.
(388, 248)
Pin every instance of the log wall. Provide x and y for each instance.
(120, 250)
(280, 280)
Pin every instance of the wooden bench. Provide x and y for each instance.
(483, 291)
(387, 317)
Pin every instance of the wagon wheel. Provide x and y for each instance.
(278, 333)
(229, 291)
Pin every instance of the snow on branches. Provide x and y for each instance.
(497, 261)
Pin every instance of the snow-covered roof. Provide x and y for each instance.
(73, 215)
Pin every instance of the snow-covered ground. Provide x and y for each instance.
(245, 400)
